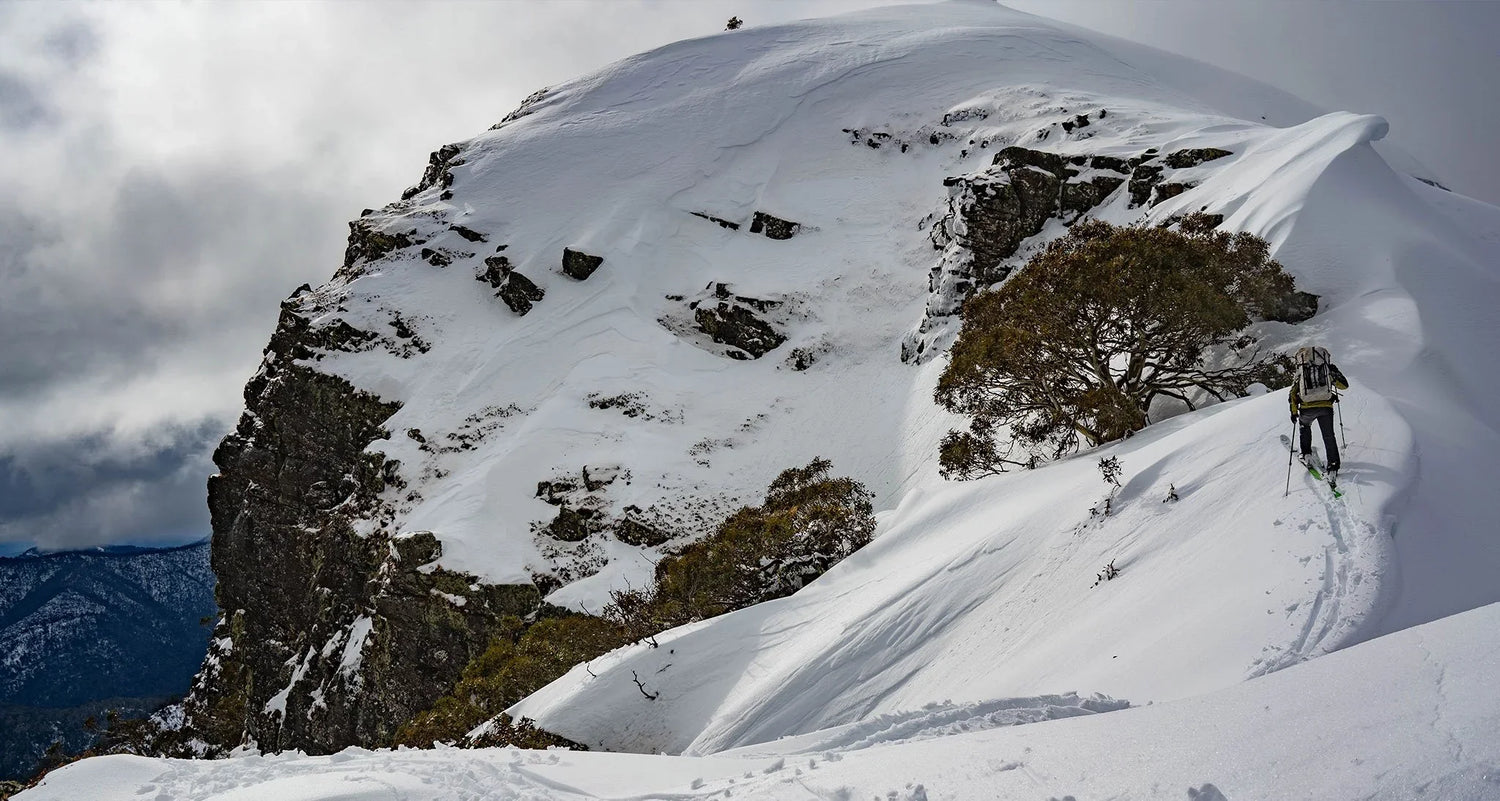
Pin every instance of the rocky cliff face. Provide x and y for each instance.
(333, 630)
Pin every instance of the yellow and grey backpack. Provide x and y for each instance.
(1314, 375)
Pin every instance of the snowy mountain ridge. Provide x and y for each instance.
(590, 331)
(85, 631)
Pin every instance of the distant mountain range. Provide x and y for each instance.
(82, 632)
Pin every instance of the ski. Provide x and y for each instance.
(1312, 470)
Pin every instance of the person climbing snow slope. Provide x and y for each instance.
(1313, 393)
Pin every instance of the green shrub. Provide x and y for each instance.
(808, 522)
(512, 668)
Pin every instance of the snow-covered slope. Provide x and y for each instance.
(1412, 715)
(846, 126)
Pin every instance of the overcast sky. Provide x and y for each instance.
(171, 171)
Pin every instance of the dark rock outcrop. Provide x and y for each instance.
(733, 226)
(1183, 159)
(773, 227)
(526, 108)
(1142, 179)
(1079, 197)
(735, 320)
(439, 170)
(468, 233)
(579, 265)
(1293, 308)
(993, 213)
(1012, 157)
(517, 291)
(633, 532)
(571, 525)
(436, 258)
(520, 293)
(1170, 190)
(367, 243)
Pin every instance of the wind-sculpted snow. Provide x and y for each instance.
(937, 720)
(1411, 715)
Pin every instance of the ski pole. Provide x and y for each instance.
(1289, 461)
(1343, 440)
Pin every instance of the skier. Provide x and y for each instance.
(1313, 394)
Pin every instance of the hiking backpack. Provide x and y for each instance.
(1314, 375)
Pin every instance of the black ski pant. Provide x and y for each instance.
(1324, 416)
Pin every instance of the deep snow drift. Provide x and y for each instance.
(975, 594)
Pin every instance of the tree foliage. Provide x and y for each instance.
(1079, 345)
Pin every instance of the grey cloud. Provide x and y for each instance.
(87, 492)
(97, 296)
(21, 105)
(72, 41)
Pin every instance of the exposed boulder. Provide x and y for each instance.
(439, 170)
(991, 213)
(1079, 197)
(1111, 163)
(734, 320)
(520, 293)
(517, 291)
(495, 269)
(1013, 157)
(367, 243)
(571, 525)
(633, 532)
(733, 226)
(1292, 308)
(1183, 159)
(1142, 179)
(468, 233)
(773, 227)
(436, 258)
(579, 265)
(1171, 190)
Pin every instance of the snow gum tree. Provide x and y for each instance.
(1079, 345)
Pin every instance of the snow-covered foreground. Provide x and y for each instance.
(1410, 715)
